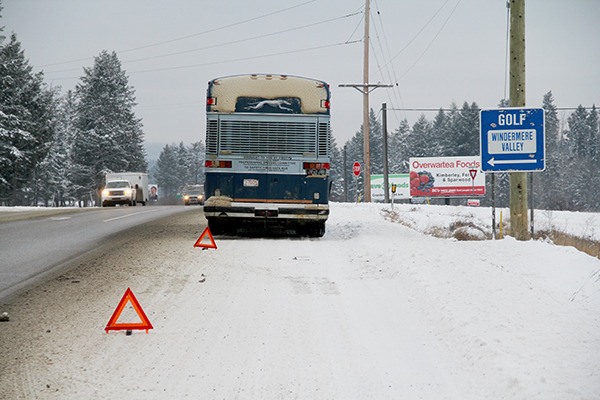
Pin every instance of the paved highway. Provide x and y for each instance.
(35, 244)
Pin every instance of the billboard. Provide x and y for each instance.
(402, 187)
(446, 177)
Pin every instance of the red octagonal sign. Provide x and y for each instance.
(356, 168)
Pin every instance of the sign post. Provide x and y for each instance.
(512, 140)
(473, 173)
(356, 172)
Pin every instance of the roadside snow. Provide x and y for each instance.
(373, 310)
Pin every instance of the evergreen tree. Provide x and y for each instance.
(594, 131)
(108, 136)
(375, 144)
(55, 170)
(195, 163)
(166, 171)
(25, 128)
(420, 142)
(466, 130)
(579, 133)
(398, 148)
(453, 135)
(42, 179)
(594, 159)
(354, 153)
(178, 166)
(183, 172)
(440, 132)
(336, 172)
(548, 185)
(579, 170)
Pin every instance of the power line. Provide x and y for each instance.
(188, 36)
(417, 34)
(395, 90)
(246, 58)
(231, 60)
(226, 43)
(432, 40)
(244, 40)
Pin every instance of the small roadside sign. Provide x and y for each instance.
(512, 139)
(473, 202)
(356, 168)
(398, 184)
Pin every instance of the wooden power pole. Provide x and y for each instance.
(365, 88)
(366, 122)
(518, 180)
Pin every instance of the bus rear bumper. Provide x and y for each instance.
(224, 207)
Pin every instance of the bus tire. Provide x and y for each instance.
(314, 230)
(216, 228)
(317, 230)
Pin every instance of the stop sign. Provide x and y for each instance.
(356, 168)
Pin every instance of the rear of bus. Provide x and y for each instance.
(268, 144)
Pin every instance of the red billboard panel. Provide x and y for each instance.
(446, 177)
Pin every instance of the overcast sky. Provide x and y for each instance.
(436, 51)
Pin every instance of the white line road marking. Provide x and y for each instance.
(128, 215)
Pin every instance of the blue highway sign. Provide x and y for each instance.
(512, 139)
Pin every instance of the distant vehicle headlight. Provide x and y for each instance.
(127, 192)
(105, 193)
(186, 197)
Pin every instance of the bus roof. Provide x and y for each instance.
(223, 93)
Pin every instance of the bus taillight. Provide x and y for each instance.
(315, 168)
(211, 101)
(325, 104)
(217, 164)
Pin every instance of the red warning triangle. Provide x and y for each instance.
(206, 233)
(114, 326)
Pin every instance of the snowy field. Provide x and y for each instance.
(376, 309)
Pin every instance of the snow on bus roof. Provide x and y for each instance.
(228, 89)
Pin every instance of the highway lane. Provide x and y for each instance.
(32, 248)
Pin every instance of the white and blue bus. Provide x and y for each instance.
(268, 147)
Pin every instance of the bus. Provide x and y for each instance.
(268, 150)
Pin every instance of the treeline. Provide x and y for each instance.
(56, 149)
(177, 166)
(571, 180)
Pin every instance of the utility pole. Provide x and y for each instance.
(386, 195)
(365, 88)
(518, 180)
(366, 122)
